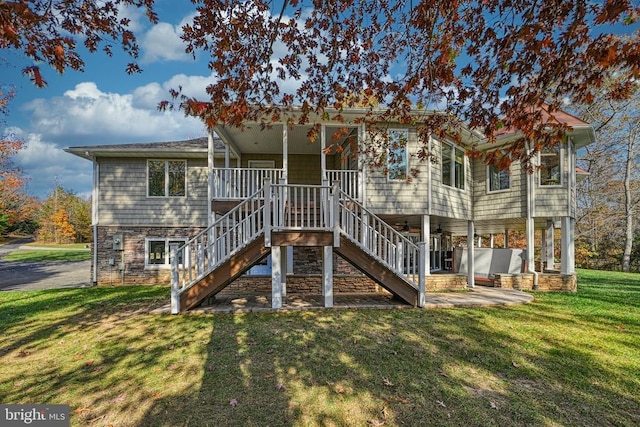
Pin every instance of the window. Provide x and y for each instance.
(158, 251)
(452, 166)
(166, 178)
(550, 171)
(498, 179)
(397, 158)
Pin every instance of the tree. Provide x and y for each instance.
(612, 194)
(48, 31)
(495, 64)
(64, 218)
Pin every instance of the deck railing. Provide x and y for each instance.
(240, 183)
(348, 181)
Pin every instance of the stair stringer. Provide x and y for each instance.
(377, 271)
(220, 277)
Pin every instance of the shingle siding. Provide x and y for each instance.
(123, 196)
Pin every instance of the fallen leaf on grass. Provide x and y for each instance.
(400, 399)
(441, 403)
(515, 364)
(494, 405)
(77, 357)
(280, 387)
(376, 423)
(156, 396)
(619, 326)
(24, 353)
(233, 402)
(120, 398)
(79, 411)
(387, 382)
(88, 363)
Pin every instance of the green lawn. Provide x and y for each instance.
(50, 253)
(565, 359)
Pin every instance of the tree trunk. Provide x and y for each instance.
(628, 207)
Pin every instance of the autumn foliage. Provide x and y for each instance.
(49, 31)
(494, 64)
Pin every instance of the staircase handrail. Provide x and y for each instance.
(379, 239)
(212, 246)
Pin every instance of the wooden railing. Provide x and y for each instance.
(295, 207)
(348, 181)
(380, 240)
(240, 183)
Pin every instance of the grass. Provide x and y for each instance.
(565, 359)
(50, 253)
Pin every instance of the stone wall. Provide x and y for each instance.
(546, 282)
(132, 258)
(302, 285)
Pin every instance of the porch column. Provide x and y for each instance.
(530, 261)
(362, 196)
(491, 240)
(323, 156)
(210, 168)
(471, 281)
(285, 153)
(276, 277)
(567, 256)
(506, 238)
(426, 237)
(227, 156)
(549, 245)
(327, 275)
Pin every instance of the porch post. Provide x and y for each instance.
(506, 238)
(426, 238)
(210, 167)
(362, 188)
(471, 280)
(276, 277)
(491, 240)
(327, 275)
(567, 256)
(423, 271)
(285, 153)
(549, 245)
(530, 244)
(323, 156)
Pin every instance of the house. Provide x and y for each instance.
(261, 209)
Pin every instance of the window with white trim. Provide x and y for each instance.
(452, 166)
(158, 250)
(397, 154)
(498, 179)
(166, 178)
(550, 166)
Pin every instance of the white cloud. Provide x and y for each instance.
(87, 116)
(46, 164)
(163, 43)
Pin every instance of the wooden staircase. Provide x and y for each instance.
(306, 216)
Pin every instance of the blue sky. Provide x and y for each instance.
(102, 105)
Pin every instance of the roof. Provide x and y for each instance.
(190, 148)
(581, 131)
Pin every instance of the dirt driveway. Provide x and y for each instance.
(28, 276)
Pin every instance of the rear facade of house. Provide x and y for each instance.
(257, 210)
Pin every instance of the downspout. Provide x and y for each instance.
(531, 266)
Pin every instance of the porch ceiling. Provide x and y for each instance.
(458, 227)
(255, 140)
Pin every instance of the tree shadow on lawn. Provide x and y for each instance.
(116, 364)
(407, 367)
